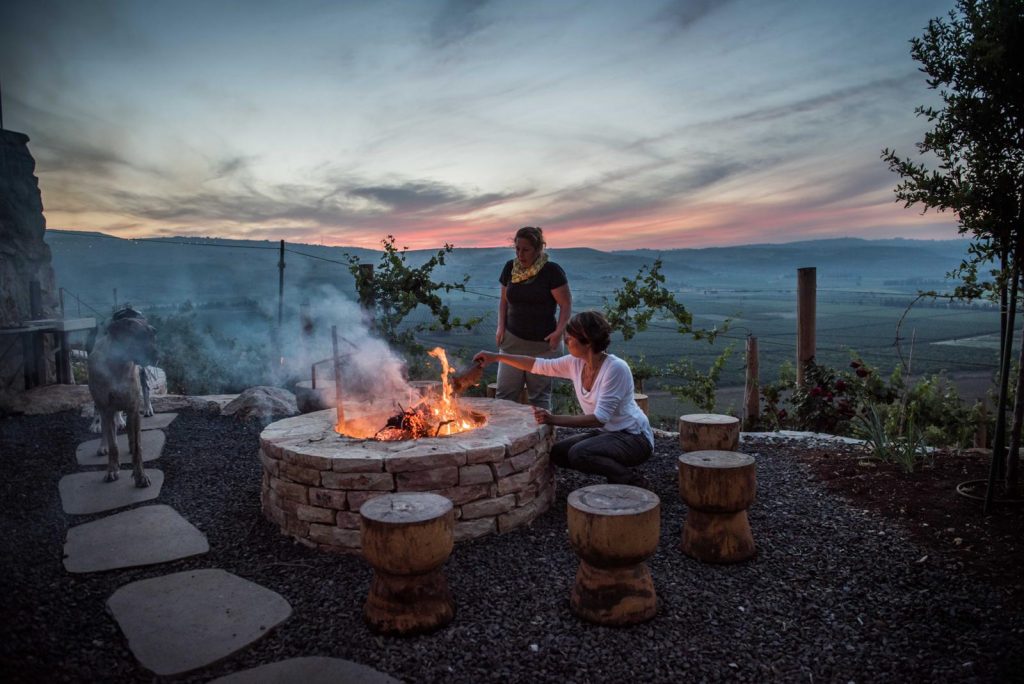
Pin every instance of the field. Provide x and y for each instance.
(934, 337)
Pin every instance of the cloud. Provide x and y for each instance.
(457, 21)
(681, 15)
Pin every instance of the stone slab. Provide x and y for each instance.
(152, 446)
(158, 421)
(85, 493)
(311, 670)
(188, 620)
(141, 536)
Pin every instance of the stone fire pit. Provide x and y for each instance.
(498, 476)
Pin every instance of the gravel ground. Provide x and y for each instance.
(835, 594)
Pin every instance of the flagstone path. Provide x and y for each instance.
(183, 621)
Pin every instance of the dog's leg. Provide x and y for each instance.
(135, 447)
(147, 405)
(96, 425)
(109, 439)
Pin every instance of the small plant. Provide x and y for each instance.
(905, 450)
(698, 387)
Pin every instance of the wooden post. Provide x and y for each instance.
(981, 431)
(717, 487)
(752, 388)
(280, 287)
(337, 377)
(614, 529)
(406, 537)
(806, 296)
(35, 297)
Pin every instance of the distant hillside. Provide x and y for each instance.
(169, 271)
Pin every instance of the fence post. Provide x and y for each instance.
(806, 294)
(752, 389)
(280, 287)
(337, 378)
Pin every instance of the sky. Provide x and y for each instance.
(611, 124)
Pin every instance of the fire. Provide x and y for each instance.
(431, 416)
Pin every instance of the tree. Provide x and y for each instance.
(975, 59)
(630, 312)
(394, 289)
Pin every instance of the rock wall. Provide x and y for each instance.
(24, 255)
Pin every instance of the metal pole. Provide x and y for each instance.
(280, 287)
(337, 377)
(806, 293)
(61, 291)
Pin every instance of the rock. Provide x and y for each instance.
(47, 399)
(263, 403)
(24, 254)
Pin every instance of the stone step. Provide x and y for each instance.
(188, 620)
(309, 670)
(85, 493)
(158, 421)
(141, 536)
(152, 446)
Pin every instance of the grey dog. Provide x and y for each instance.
(115, 364)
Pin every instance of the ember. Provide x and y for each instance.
(432, 416)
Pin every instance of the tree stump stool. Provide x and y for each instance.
(614, 529)
(406, 538)
(718, 488)
(709, 431)
(643, 402)
(524, 394)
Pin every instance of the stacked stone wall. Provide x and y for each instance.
(498, 477)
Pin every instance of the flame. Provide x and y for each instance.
(431, 416)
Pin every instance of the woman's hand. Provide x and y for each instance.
(553, 340)
(541, 415)
(499, 336)
(485, 358)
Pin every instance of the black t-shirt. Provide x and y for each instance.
(531, 308)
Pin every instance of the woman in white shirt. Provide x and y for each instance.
(621, 437)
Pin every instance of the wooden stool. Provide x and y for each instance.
(524, 394)
(406, 538)
(614, 529)
(717, 487)
(709, 431)
(643, 402)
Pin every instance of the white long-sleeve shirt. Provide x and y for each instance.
(610, 399)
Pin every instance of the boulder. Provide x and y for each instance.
(46, 399)
(262, 403)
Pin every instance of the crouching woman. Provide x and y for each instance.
(620, 437)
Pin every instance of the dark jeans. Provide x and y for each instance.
(612, 454)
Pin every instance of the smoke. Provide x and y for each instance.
(372, 373)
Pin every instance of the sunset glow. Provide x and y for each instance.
(612, 125)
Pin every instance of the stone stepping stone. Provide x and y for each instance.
(311, 670)
(152, 446)
(187, 620)
(85, 493)
(158, 421)
(141, 536)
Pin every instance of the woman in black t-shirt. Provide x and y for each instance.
(532, 289)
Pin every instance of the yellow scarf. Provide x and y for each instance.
(520, 273)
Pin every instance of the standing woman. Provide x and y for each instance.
(532, 288)
(620, 436)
